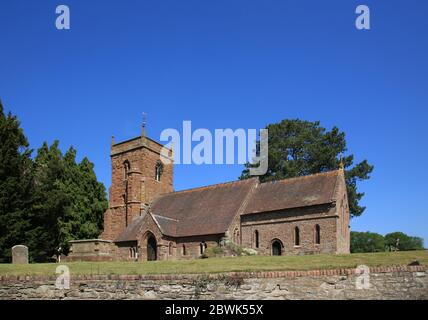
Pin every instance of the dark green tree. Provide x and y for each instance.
(15, 184)
(298, 148)
(49, 203)
(69, 202)
(83, 217)
(405, 242)
(367, 242)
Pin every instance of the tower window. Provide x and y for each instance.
(127, 168)
(158, 171)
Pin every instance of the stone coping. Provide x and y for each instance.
(255, 274)
(90, 240)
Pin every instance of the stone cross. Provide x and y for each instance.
(19, 254)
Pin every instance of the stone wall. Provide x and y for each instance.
(280, 225)
(385, 283)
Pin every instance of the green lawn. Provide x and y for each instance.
(216, 265)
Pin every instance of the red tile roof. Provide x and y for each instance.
(296, 192)
(131, 232)
(211, 209)
(201, 211)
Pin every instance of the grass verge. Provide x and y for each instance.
(227, 264)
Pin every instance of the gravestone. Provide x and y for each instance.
(19, 254)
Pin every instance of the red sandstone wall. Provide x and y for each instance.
(343, 221)
(128, 192)
(280, 225)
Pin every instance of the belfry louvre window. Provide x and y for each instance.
(126, 169)
(158, 171)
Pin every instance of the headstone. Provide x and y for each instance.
(19, 254)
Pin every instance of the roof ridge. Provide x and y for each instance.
(210, 186)
(307, 176)
(161, 216)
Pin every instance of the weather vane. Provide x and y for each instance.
(144, 119)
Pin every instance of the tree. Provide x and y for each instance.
(83, 217)
(49, 203)
(367, 242)
(69, 202)
(298, 148)
(405, 242)
(15, 183)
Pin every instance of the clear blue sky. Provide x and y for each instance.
(237, 64)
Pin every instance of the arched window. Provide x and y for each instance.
(296, 236)
(126, 169)
(158, 170)
(317, 234)
(131, 252)
(203, 246)
(183, 250)
(256, 238)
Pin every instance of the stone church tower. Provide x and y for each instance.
(138, 175)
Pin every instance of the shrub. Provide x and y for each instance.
(405, 242)
(367, 242)
(212, 252)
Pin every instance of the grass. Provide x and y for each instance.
(227, 264)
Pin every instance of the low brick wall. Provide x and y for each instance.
(410, 282)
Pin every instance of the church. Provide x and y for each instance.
(148, 220)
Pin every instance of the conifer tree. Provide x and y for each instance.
(15, 184)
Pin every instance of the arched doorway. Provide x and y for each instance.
(151, 248)
(276, 248)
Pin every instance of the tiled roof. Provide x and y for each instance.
(201, 211)
(296, 192)
(131, 232)
(168, 226)
(211, 209)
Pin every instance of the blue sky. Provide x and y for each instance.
(229, 64)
